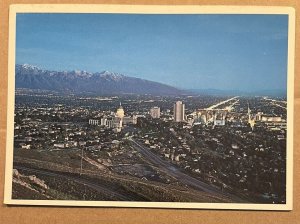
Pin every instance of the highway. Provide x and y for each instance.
(103, 188)
(182, 177)
(163, 165)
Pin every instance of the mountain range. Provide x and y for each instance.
(32, 77)
(107, 83)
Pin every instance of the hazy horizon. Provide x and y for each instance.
(225, 52)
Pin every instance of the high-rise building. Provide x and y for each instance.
(155, 112)
(219, 119)
(179, 111)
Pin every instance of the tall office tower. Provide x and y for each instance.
(179, 111)
(155, 112)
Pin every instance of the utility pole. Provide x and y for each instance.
(81, 161)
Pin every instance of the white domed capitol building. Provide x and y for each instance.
(119, 118)
(120, 112)
(116, 122)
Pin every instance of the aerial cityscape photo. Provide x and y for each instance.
(150, 107)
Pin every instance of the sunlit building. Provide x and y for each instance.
(270, 118)
(130, 120)
(219, 119)
(155, 112)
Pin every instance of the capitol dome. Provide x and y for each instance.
(120, 112)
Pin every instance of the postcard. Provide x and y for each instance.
(150, 106)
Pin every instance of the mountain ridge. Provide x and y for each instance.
(105, 82)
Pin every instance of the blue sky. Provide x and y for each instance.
(230, 52)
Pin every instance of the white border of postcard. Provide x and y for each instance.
(149, 9)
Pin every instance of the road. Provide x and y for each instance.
(180, 176)
(278, 105)
(277, 102)
(230, 107)
(220, 103)
(104, 189)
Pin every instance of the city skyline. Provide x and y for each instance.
(230, 52)
(194, 147)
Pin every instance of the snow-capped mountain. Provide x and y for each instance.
(32, 77)
(111, 76)
(26, 68)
